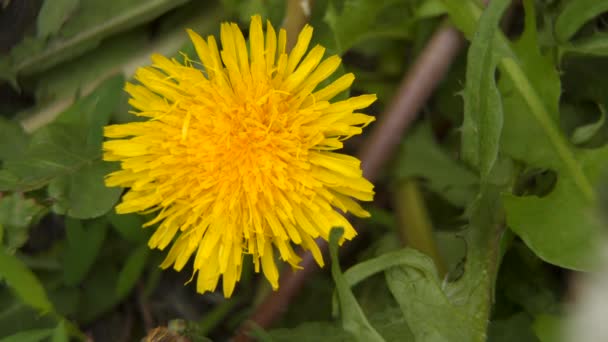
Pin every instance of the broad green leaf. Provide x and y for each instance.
(84, 31)
(17, 214)
(575, 14)
(60, 334)
(83, 243)
(549, 328)
(64, 148)
(421, 156)
(84, 194)
(355, 21)
(13, 140)
(483, 113)
(29, 336)
(23, 282)
(585, 133)
(515, 328)
(429, 312)
(132, 270)
(99, 294)
(129, 226)
(559, 227)
(52, 15)
(353, 319)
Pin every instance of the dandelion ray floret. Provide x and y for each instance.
(237, 154)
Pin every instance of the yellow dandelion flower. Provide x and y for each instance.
(237, 156)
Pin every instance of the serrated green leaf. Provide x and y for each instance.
(421, 156)
(558, 227)
(575, 14)
(483, 113)
(29, 336)
(353, 319)
(132, 270)
(52, 15)
(83, 243)
(531, 91)
(17, 214)
(23, 282)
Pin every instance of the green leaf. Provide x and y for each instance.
(311, 331)
(558, 227)
(515, 328)
(595, 45)
(549, 328)
(84, 194)
(429, 312)
(575, 14)
(94, 21)
(29, 336)
(53, 14)
(355, 21)
(23, 282)
(353, 319)
(17, 214)
(129, 226)
(13, 140)
(67, 148)
(584, 133)
(60, 334)
(83, 244)
(483, 113)
(132, 270)
(421, 156)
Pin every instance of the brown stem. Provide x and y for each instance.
(296, 16)
(414, 91)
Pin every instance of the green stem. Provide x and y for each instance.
(415, 227)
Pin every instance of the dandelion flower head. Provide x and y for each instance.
(237, 155)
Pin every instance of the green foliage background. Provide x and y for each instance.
(502, 168)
